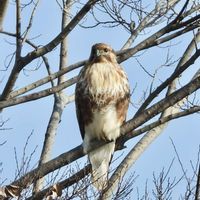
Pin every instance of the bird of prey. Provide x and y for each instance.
(102, 97)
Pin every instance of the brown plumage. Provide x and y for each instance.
(102, 98)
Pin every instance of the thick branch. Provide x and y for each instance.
(134, 133)
(38, 95)
(175, 75)
(63, 71)
(50, 166)
(45, 79)
(77, 152)
(28, 178)
(150, 136)
(162, 105)
(79, 175)
(122, 55)
(50, 91)
(151, 41)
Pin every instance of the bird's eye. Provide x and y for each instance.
(106, 50)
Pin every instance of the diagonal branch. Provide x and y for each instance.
(82, 173)
(45, 79)
(122, 55)
(30, 22)
(174, 75)
(77, 152)
(47, 92)
(150, 136)
(63, 184)
(45, 49)
(137, 150)
(151, 40)
(65, 70)
(134, 133)
(60, 37)
(37, 95)
(149, 19)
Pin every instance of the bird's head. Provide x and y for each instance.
(101, 51)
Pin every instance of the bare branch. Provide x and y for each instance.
(128, 135)
(63, 184)
(59, 101)
(149, 19)
(45, 79)
(197, 193)
(30, 22)
(175, 75)
(47, 92)
(18, 30)
(37, 95)
(59, 38)
(143, 143)
(77, 152)
(3, 9)
(180, 19)
(43, 50)
(151, 41)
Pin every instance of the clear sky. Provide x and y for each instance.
(34, 116)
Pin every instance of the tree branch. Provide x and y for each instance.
(149, 137)
(65, 70)
(174, 75)
(149, 19)
(122, 55)
(151, 40)
(197, 193)
(45, 80)
(60, 161)
(50, 91)
(3, 9)
(63, 184)
(59, 100)
(37, 95)
(132, 124)
(43, 50)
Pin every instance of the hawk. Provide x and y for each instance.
(102, 97)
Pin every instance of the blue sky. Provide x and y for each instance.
(34, 116)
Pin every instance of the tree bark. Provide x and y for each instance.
(150, 136)
(59, 99)
(3, 9)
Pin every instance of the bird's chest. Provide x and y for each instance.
(104, 124)
(102, 83)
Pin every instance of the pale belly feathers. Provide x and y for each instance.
(104, 126)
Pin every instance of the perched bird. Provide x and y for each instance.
(102, 97)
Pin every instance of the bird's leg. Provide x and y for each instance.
(94, 144)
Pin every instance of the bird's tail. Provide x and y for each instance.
(100, 159)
